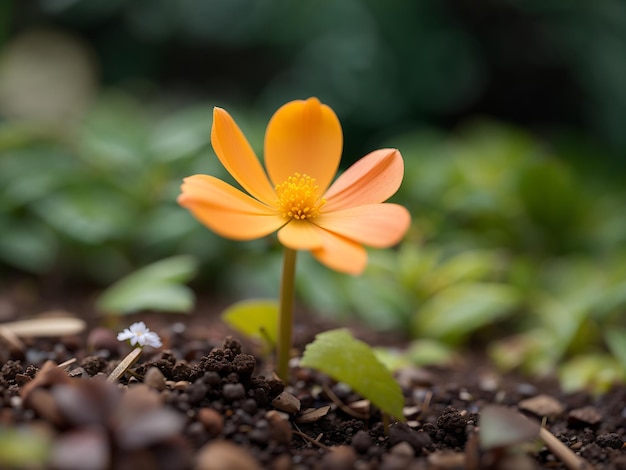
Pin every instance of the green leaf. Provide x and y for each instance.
(154, 287)
(596, 372)
(338, 354)
(616, 341)
(425, 351)
(88, 214)
(27, 245)
(466, 266)
(255, 318)
(462, 309)
(24, 447)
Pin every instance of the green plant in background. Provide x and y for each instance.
(159, 286)
(553, 232)
(100, 203)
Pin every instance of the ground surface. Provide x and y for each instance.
(206, 402)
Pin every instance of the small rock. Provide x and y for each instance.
(403, 449)
(260, 436)
(585, 416)
(282, 462)
(542, 405)
(403, 433)
(223, 455)
(155, 379)
(181, 385)
(446, 461)
(286, 402)
(361, 441)
(213, 421)
(232, 392)
(339, 458)
(610, 439)
(279, 427)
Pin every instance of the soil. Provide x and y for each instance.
(205, 401)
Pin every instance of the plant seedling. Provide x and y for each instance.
(339, 355)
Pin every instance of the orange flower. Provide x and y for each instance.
(303, 145)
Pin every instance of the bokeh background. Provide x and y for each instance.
(510, 116)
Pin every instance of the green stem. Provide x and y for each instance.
(285, 322)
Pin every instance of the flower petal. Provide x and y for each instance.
(300, 235)
(341, 254)
(226, 210)
(376, 225)
(236, 154)
(372, 179)
(303, 137)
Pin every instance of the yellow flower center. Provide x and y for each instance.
(298, 197)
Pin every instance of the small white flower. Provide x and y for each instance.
(139, 334)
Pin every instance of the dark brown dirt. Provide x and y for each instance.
(207, 403)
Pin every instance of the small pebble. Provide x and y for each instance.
(542, 405)
(279, 427)
(224, 455)
(155, 379)
(232, 392)
(361, 441)
(585, 416)
(339, 458)
(181, 385)
(403, 449)
(403, 433)
(610, 439)
(213, 421)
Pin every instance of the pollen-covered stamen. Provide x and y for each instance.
(298, 197)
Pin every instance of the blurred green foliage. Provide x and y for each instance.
(158, 287)
(518, 238)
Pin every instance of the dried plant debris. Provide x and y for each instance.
(203, 405)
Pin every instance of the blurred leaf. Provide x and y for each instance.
(182, 135)
(89, 214)
(503, 427)
(423, 352)
(114, 134)
(462, 309)
(616, 341)
(154, 287)
(165, 225)
(595, 372)
(611, 299)
(339, 355)
(466, 266)
(24, 447)
(35, 171)
(255, 318)
(27, 245)
(392, 359)
(520, 351)
(553, 201)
